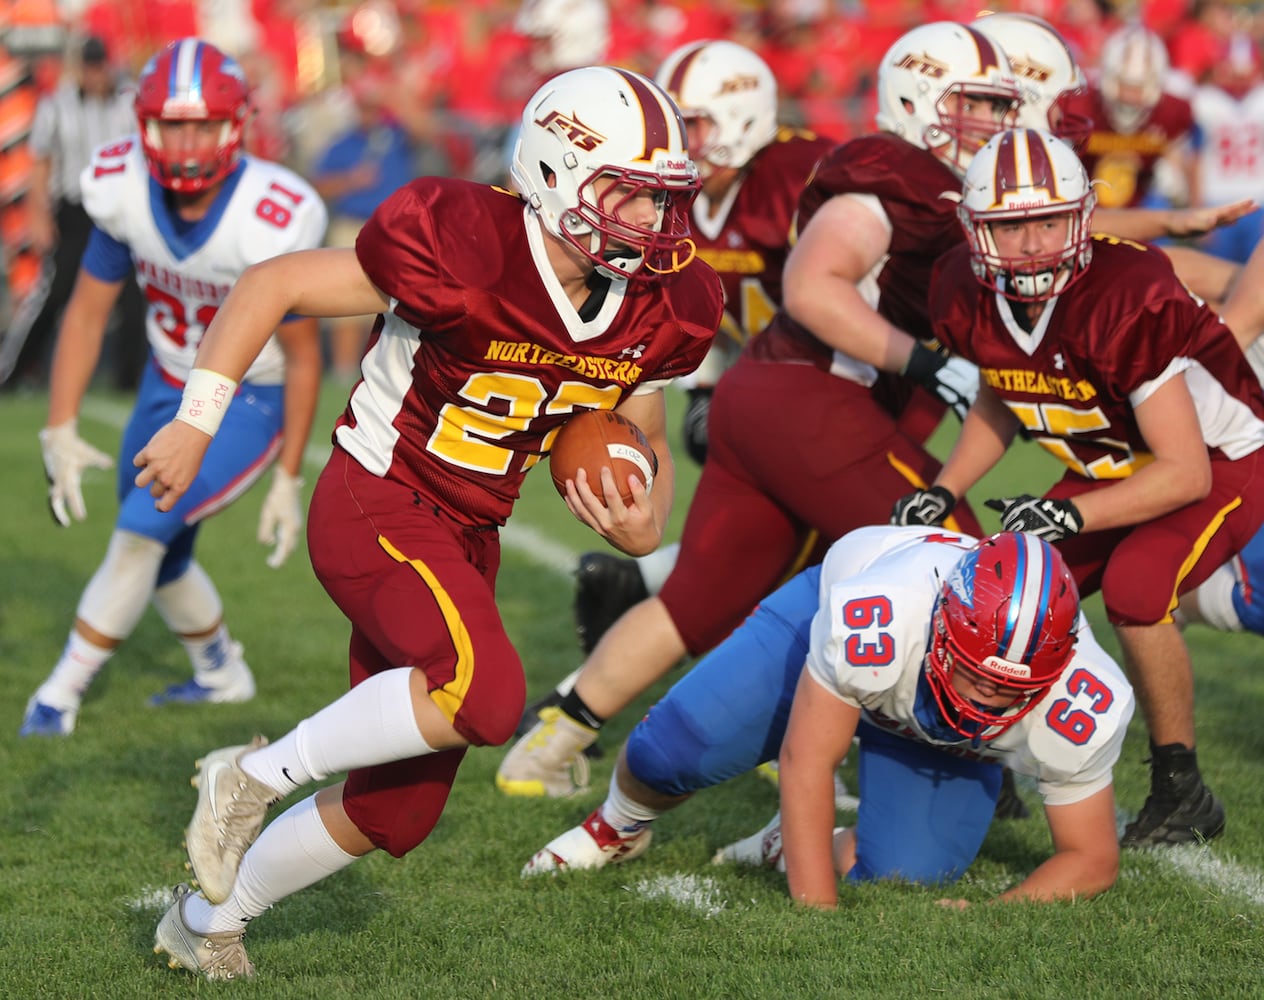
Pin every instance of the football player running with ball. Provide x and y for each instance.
(501, 314)
(1095, 348)
(183, 208)
(947, 657)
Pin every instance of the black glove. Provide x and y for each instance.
(924, 507)
(954, 380)
(694, 430)
(1052, 520)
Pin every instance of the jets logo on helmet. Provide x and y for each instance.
(1007, 615)
(592, 141)
(929, 76)
(1020, 175)
(192, 80)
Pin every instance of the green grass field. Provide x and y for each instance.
(91, 827)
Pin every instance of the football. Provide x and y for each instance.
(595, 438)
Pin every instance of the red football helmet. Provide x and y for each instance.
(192, 80)
(1008, 613)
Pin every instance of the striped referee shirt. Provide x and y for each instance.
(69, 125)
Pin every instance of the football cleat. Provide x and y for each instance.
(592, 844)
(220, 957)
(1190, 814)
(549, 760)
(759, 850)
(230, 809)
(605, 587)
(230, 682)
(44, 720)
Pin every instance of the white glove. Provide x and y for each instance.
(66, 455)
(281, 517)
(954, 380)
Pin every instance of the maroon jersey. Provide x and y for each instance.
(481, 358)
(909, 182)
(746, 236)
(1074, 381)
(1125, 163)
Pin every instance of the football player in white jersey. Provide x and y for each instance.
(183, 208)
(947, 657)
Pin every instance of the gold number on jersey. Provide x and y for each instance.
(1051, 424)
(501, 404)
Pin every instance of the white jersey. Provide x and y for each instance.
(1069, 742)
(186, 270)
(1230, 144)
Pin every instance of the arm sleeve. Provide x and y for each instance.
(105, 258)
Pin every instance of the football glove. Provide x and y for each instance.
(954, 380)
(695, 426)
(925, 507)
(281, 517)
(1052, 520)
(66, 455)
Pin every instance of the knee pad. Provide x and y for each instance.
(190, 604)
(119, 591)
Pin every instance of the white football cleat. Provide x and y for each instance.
(45, 720)
(592, 844)
(220, 957)
(759, 850)
(549, 760)
(229, 814)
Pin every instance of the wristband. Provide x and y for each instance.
(205, 400)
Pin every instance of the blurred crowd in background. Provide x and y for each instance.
(360, 97)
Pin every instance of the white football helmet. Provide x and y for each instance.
(1020, 175)
(1047, 73)
(733, 88)
(1134, 67)
(601, 122)
(923, 69)
(577, 32)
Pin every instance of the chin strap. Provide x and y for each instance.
(676, 263)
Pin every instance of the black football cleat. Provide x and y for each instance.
(1180, 808)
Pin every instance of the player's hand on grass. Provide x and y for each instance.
(170, 461)
(66, 455)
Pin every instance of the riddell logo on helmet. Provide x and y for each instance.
(923, 64)
(1006, 668)
(737, 84)
(572, 130)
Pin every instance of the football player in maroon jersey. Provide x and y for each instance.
(753, 171)
(826, 454)
(1095, 348)
(500, 314)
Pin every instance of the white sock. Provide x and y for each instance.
(215, 663)
(80, 662)
(373, 723)
(625, 814)
(294, 851)
(657, 566)
(1215, 600)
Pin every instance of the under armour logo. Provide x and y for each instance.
(1058, 361)
(632, 352)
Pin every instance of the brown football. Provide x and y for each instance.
(594, 438)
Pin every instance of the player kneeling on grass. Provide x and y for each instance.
(946, 656)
